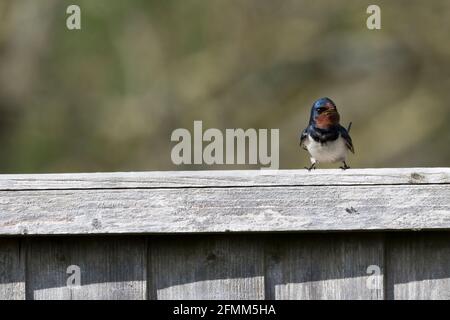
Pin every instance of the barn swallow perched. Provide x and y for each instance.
(324, 138)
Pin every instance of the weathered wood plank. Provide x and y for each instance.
(418, 266)
(206, 267)
(325, 266)
(230, 178)
(110, 268)
(12, 269)
(312, 208)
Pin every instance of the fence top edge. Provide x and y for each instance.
(224, 178)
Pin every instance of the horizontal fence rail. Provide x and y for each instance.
(287, 234)
(222, 201)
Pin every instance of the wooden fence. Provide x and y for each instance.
(288, 234)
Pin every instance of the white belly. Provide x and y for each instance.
(333, 151)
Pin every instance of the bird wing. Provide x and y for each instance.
(303, 137)
(347, 138)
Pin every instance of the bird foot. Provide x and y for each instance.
(344, 167)
(313, 166)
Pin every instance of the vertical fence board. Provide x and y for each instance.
(325, 266)
(111, 268)
(418, 266)
(12, 270)
(206, 267)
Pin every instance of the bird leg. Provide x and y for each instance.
(313, 166)
(345, 166)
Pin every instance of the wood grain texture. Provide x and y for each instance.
(325, 266)
(206, 267)
(418, 266)
(312, 208)
(413, 265)
(111, 268)
(230, 178)
(12, 269)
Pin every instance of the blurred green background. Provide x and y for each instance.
(108, 97)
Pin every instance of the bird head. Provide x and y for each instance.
(324, 114)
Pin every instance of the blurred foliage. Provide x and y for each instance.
(107, 98)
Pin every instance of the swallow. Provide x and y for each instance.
(324, 138)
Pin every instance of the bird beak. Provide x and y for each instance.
(330, 112)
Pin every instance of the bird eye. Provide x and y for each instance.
(321, 109)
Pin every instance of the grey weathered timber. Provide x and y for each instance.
(110, 268)
(12, 269)
(370, 199)
(338, 267)
(227, 178)
(312, 208)
(213, 267)
(288, 234)
(418, 266)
